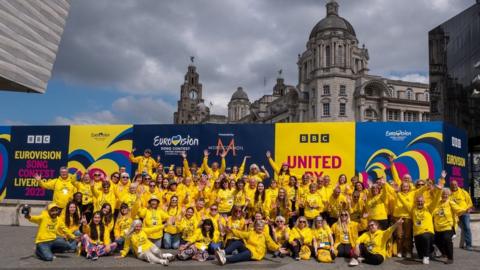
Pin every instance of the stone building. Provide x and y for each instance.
(333, 85)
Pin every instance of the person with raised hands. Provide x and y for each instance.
(145, 162)
(137, 240)
(105, 195)
(257, 174)
(237, 172)
(62, 187)
(215, 170)
(371, 246)
(187, 224)
(282, 173)
(253, 247)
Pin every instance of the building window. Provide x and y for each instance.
(427, 96)
(343, 109)
(410, 117)
(409, 94)
(313, 93)
(393, 115)
(326, 109)
(425, 117)
(326, 90)
(370, 115)
(343, 90)
(328, 56)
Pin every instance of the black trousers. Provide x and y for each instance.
(424, 244)
(443, 240)
(344, 250)
(370, 258)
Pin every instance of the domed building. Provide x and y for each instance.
(333, 85)
(239, 106)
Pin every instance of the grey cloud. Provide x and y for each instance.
(109, 43)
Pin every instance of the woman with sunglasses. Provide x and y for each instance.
(345, 233)
(255, 173)
(300, 235)
(122, 223)
(96, 238)
(253, 247)
(371, 246)
(121, 188)
(281, 234)
(323, 243)
(171, 237)
(151, 192)
(136, 239)
(105, 195)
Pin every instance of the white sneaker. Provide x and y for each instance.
(399, 255)
(360, 259)
(220, 256)
(168, 256)
(353, 262)
(163, 262)
(426, 260)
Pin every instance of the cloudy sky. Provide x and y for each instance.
(124, 61)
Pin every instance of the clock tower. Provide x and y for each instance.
(191, 108)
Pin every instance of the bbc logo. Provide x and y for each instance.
(38, 139)
(314, 138)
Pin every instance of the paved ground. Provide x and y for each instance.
(17, 246)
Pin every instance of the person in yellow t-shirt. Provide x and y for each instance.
(254, 246)
(96, 238)
(225, 197)
(313, 203)
(145, 163)
(345, 232)
(122, 224)
(200, 243)
(444, 214)
(282, 174)
(47, 240)
(137, 241)
(281, 234)
(187, 225)
(372, 245)
(299, 236)
(463, 199)
(62, 187)
(69, 224)
(322, 237)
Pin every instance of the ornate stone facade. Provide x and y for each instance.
(333, 85)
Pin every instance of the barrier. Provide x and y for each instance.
(419, 149)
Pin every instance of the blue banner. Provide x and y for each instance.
(4, 158)
(456, 151)
(35, 150)
(417, 149)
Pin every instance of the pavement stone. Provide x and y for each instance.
(17, 252)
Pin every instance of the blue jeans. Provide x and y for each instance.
(466, 231)
(45, 250)
(171, 241)
(244, 254)
(73, 243)
(214, 246)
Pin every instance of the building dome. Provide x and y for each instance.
(239, 94)
(332, 22)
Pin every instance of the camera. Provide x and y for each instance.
(26, 210)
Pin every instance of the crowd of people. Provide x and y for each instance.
(207, 212)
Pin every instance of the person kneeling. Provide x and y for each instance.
(253, 247)
(47, 240)
(137, 240)
(371, 247)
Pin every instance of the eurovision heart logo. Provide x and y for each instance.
(176, 140)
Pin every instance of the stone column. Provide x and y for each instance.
(402, 112)
(384, 114)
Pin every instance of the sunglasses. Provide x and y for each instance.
(343, 215)
(97, 174)
(279, 221)
(302, 221)
(125, 177)
(213, 209)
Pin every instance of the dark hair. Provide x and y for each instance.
(240, 181)
(93, 228)
(212, 228)
(107, 218)
(76, 215)
(284, 172)
(258, 194)
(223, 181)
